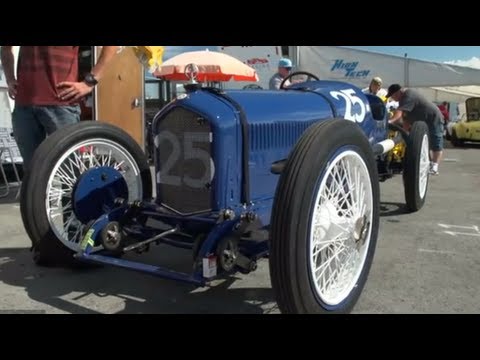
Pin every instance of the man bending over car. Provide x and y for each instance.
(412, 107)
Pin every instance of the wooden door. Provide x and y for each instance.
(119, 95)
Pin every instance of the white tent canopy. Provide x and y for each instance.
(453, 93)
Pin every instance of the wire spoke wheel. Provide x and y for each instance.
(416, 166)
(76, 175)
(424, 166)
(325, 220)
(76, 161)
(340, 233)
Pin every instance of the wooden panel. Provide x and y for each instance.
(121, 85)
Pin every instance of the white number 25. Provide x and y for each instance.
(350, 101)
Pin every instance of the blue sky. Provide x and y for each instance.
(431, 53)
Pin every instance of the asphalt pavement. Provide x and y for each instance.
(426, 262)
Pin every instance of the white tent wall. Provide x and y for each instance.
(438, 82)
(359, 66)
(352, 66)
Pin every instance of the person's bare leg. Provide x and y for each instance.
(436, 136)
(437, 156)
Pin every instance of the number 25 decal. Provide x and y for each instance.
(350, 101)
(183, 151)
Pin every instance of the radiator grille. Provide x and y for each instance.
(184, 164)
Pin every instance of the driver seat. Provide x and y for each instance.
(377, 106)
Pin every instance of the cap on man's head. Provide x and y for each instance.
(377, 80)
(392, 89)
(285, 63)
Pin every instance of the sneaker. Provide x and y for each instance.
(433, 169)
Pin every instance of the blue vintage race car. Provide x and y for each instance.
(290, 175)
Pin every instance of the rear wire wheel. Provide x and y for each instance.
(416, 167)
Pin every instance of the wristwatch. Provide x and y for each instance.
(90, 80)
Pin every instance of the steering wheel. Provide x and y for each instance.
(296, 73)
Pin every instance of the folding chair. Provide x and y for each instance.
(9, 153)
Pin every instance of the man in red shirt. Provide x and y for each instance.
(47, 90)
(444, 110)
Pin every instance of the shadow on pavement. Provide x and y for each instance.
(80, 291)
(393, 209)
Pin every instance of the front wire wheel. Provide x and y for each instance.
(47, 206)
(325, 220)
(341, 227)
(73, 163)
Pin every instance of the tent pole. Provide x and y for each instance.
(406, 75)
(294, 52)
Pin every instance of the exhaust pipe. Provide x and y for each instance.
(386, 145)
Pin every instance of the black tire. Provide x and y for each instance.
(456, 142)
(414, 197)
(448, 137)
(292, 216)
(25, 214)
(48, 247)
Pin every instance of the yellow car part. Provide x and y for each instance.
(398, 152)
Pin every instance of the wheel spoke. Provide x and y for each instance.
(326, 265)
(66, 179)
(77, 163)
(326, 243)
(340, 270)
(61, 210)
(330, 257)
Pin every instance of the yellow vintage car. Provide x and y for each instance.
(467, 129)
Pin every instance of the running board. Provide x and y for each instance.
(143, 268)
